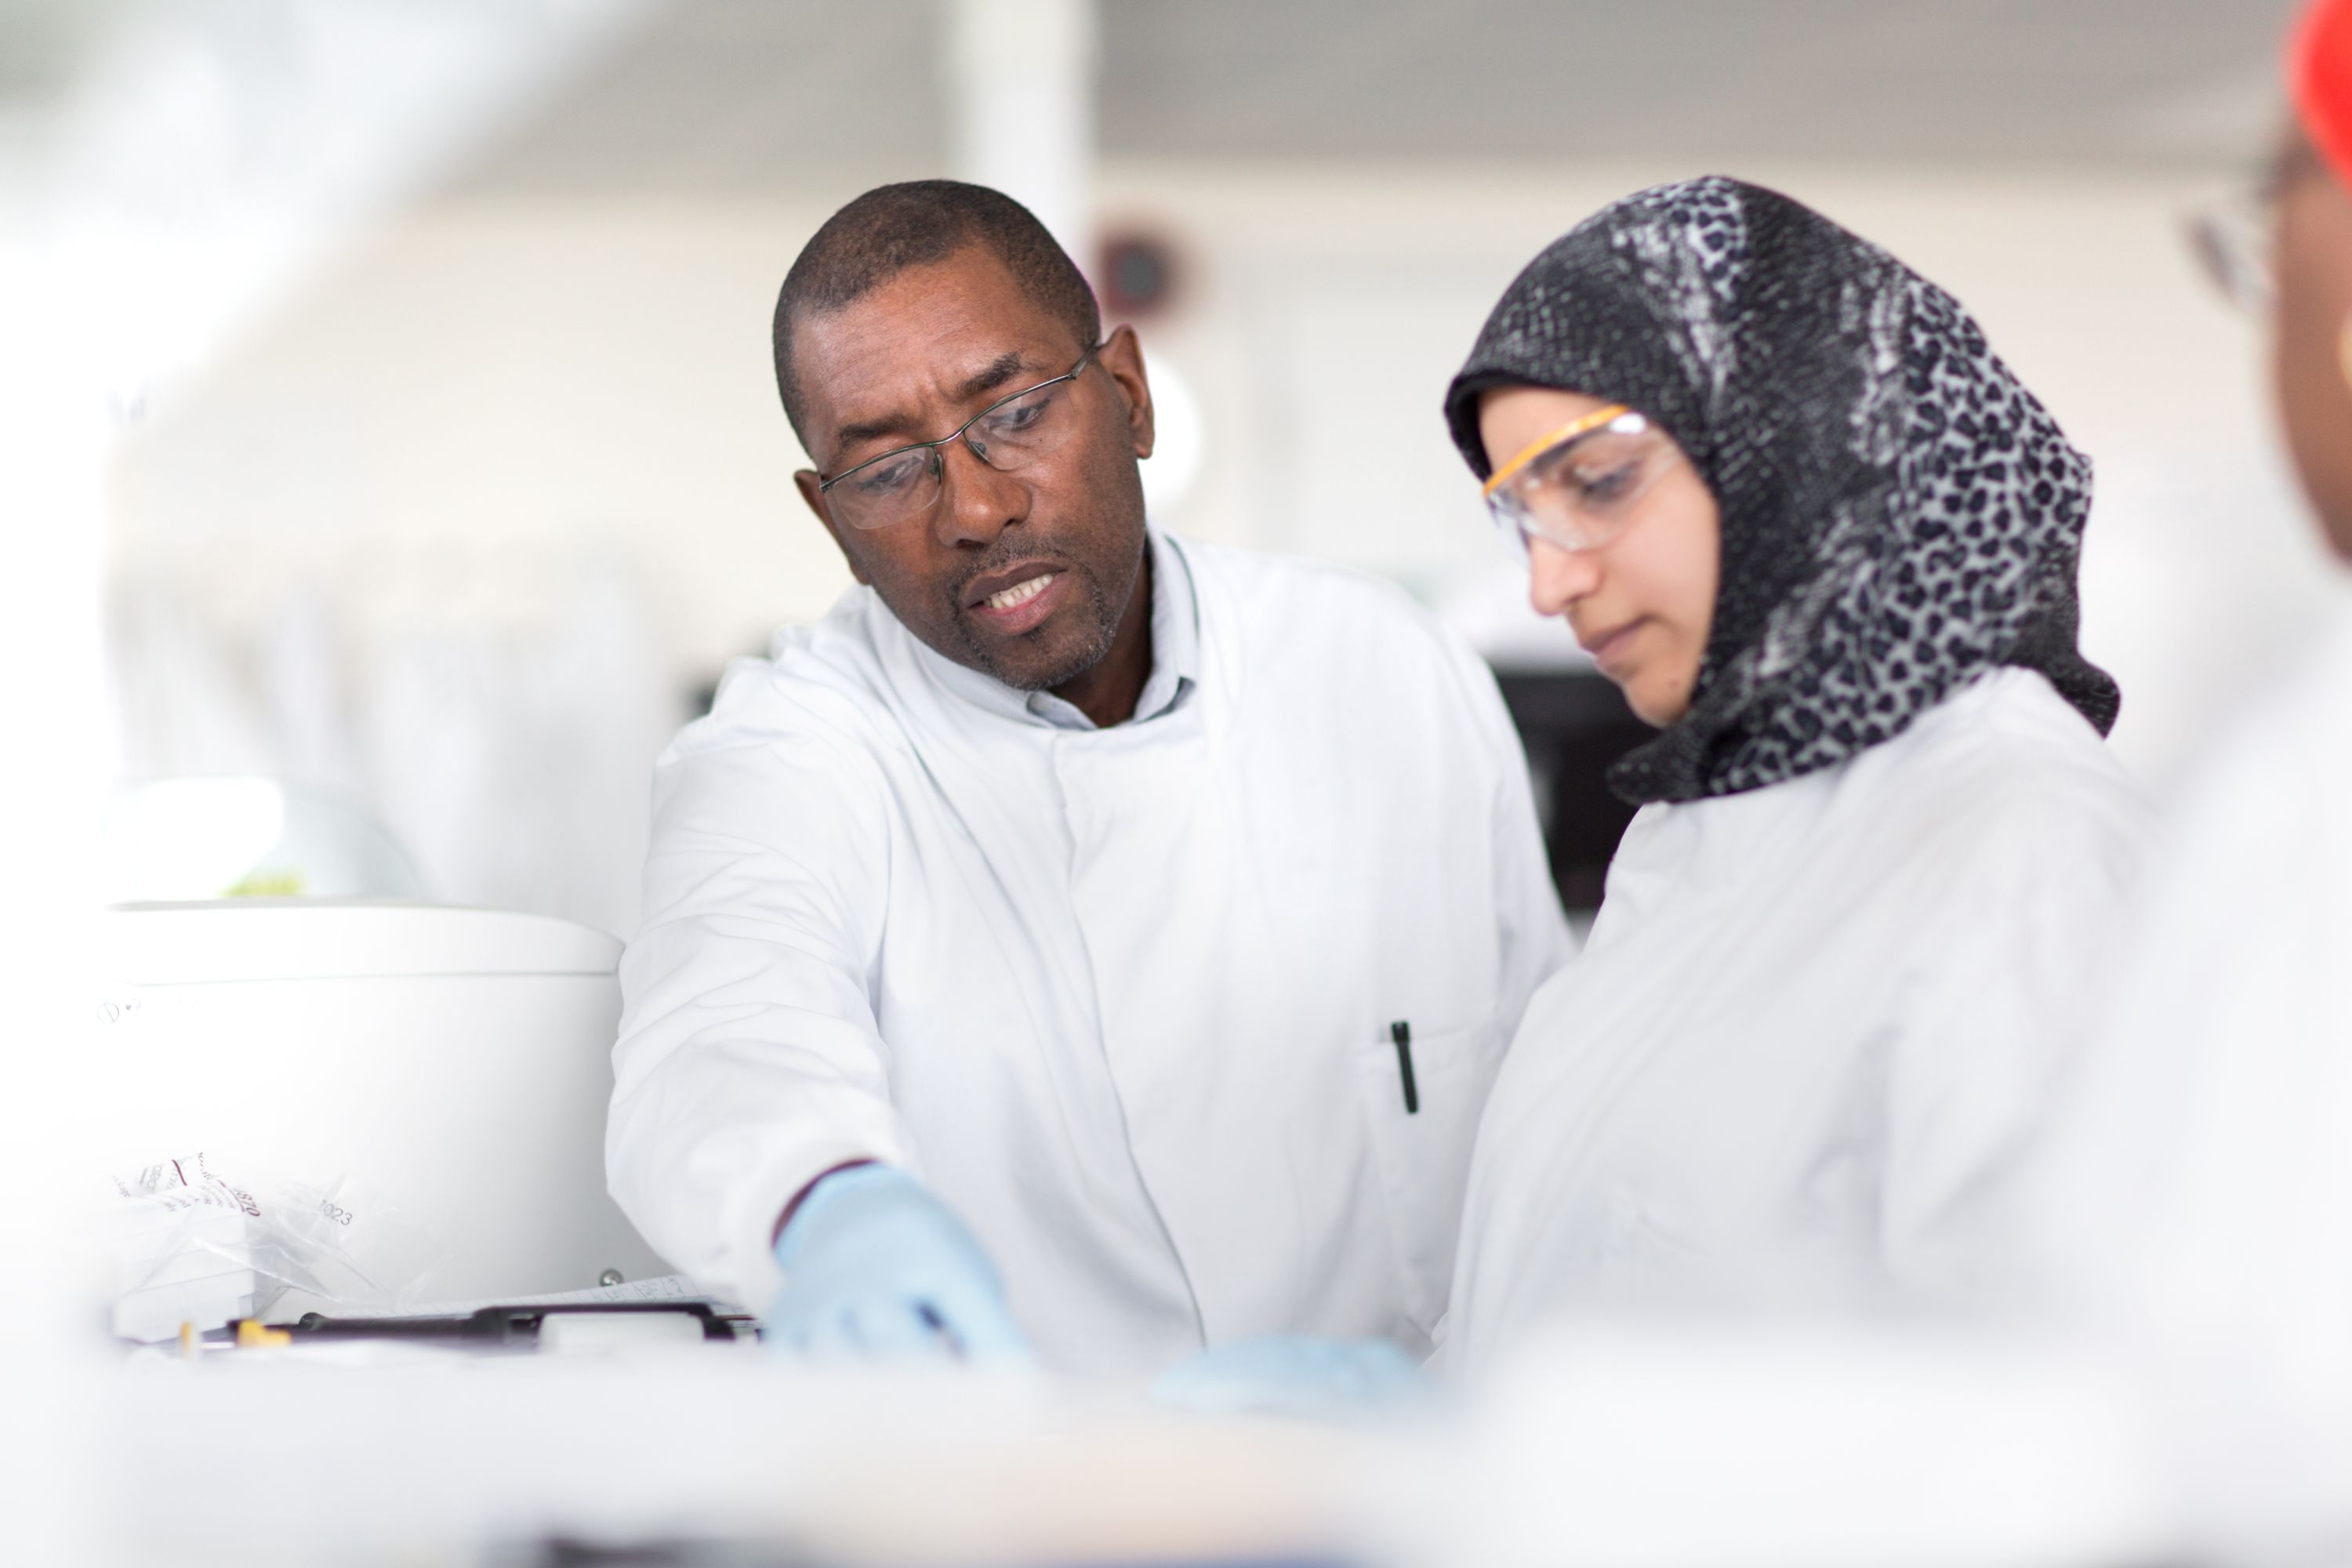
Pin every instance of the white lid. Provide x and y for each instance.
(318, 939)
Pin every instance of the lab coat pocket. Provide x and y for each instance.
(1422, 1093)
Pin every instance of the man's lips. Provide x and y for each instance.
(1014, 600)
(987, 584)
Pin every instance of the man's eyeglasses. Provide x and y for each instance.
(1008, 435)
(2231, 237)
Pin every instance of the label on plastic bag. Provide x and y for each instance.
(182, 1219)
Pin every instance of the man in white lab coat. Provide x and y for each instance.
(1081, 939)
(2199, 1196)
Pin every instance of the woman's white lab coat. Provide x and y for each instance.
(1812, 1024)
(1123, 997)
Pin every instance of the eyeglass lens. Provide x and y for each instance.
(2232, 239)
(1007, 438)
(2232, 247)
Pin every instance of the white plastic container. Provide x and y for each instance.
(455, 1064)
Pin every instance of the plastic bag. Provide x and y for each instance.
(192, 1244)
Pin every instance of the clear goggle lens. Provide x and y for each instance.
(1582, 492)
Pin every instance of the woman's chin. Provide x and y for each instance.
(1657, 709)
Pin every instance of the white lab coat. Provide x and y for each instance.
(1123, 997)
(2196, 1203)
(1811, 1025)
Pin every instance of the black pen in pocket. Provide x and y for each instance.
(1402, 1032)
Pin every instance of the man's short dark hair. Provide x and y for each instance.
(893, 227)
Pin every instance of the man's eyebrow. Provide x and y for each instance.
(850, 437)
(1001, 369)
(995, 373)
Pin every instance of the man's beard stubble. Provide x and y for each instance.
(1103, 619)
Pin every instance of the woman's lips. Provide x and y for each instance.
(1027, 604)
(1610, 650)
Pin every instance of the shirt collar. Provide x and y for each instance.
(1175, 657)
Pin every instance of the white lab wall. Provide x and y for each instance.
(459, 530)
(463, 527)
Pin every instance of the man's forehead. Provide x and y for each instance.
(900, 349)
(851, 372)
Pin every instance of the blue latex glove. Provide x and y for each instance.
(1293, 1375)
(877, 1268)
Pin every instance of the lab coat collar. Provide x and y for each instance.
(1175, 657)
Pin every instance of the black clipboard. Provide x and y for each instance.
(507, 1328)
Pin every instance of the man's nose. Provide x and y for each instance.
(976, 503)
(1558, 578)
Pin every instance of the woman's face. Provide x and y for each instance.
(1642, 604)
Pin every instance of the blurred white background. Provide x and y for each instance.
(447, 466)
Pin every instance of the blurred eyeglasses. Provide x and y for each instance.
(1580, 486)
(2232, 237)
(2231, 241)
(1008, 435)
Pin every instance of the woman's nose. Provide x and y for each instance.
(1558, 578)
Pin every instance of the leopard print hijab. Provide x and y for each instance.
(1898, 513)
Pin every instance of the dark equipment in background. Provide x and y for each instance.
(1574, 724)
(1135, 275)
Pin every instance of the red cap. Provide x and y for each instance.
(2319, 74)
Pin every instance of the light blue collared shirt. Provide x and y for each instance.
(1175, 657)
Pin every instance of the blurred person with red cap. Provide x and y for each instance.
(2201, 1191)
(2310, 286)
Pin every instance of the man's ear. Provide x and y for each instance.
(806, 479)
(1122, 357)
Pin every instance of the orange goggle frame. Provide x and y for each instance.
(1545, 443)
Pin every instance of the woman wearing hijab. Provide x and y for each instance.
(1794, 505)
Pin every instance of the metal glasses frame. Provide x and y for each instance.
(824, 486)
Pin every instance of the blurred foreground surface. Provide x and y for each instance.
(1605, 1448)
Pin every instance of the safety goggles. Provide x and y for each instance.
(1579, 487)
(1008, 436)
